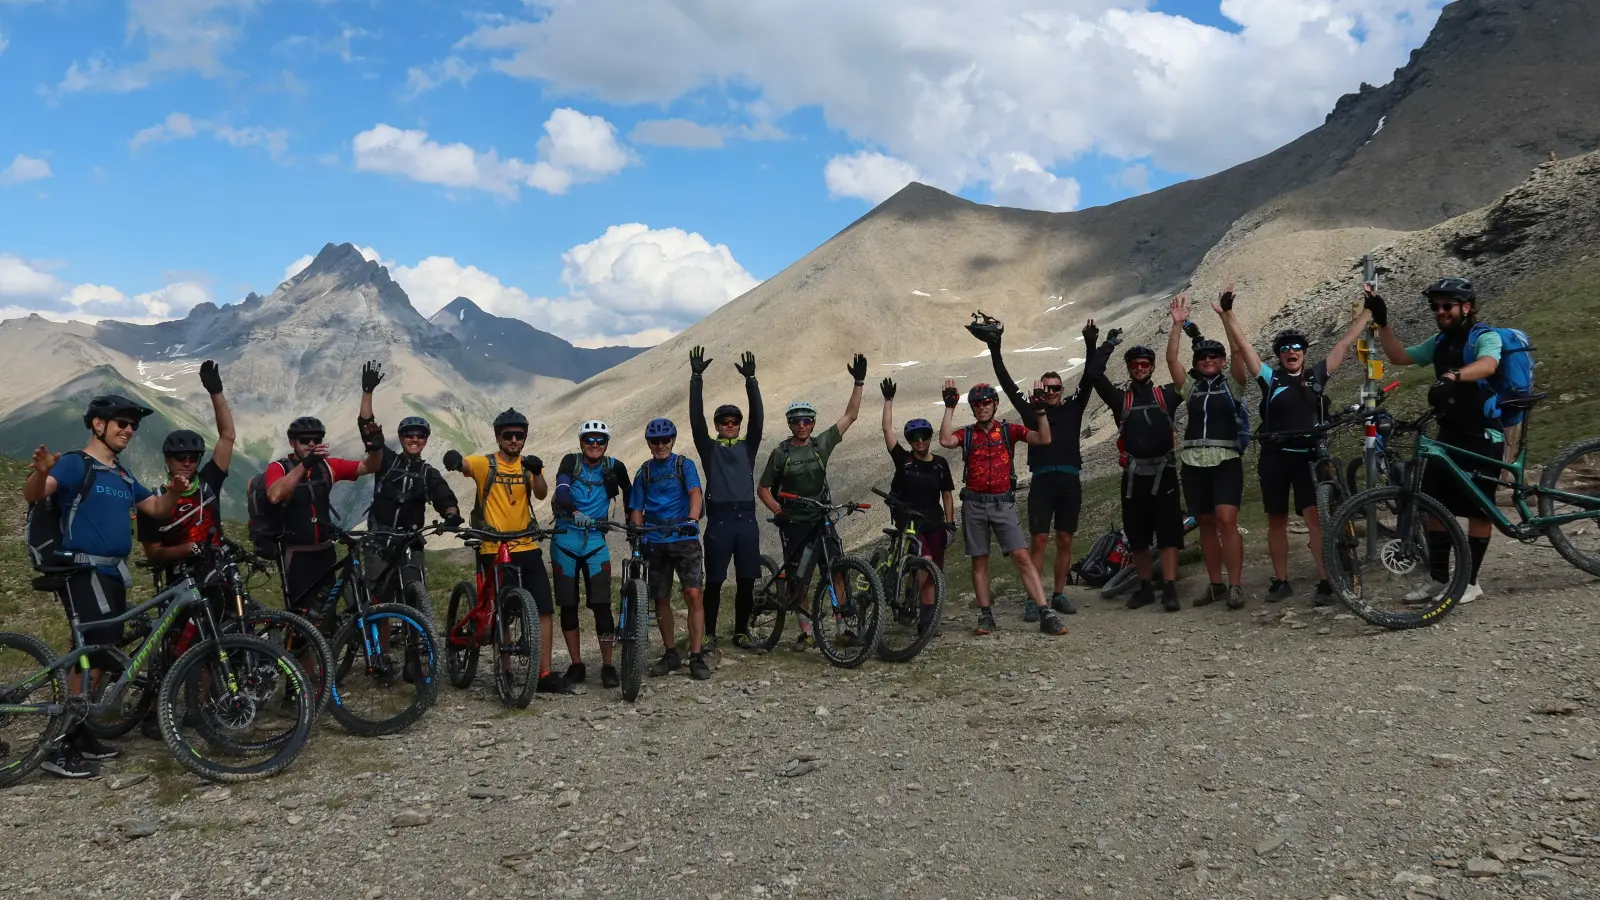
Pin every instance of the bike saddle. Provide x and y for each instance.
(1527, 402)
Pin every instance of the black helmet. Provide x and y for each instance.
(306, 425)
(1138, 351)
(183, 441)
(110, 406)
(1459, 288)
(982, 393)
(414, 423)
(1207, 345)
(1290, 336)
(510, 419)
(726, 410)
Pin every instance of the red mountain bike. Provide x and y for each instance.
(496, 612)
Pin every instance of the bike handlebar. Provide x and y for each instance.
(630, 529)
(900, 506)
(818, 504)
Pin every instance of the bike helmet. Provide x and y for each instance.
(510, 419)
(1209, 346)
(1139, 351)
(414, 423)
(918, 425)
(183, 441)
(800, 409)
(594, 426)
(1459, 288)
(985, 328)
(111, 406)
(726, 410)
(306, 425)
(660, 428)
(982, 392)
(1290, 336)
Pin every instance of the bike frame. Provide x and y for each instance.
(483, 612)
(816, 539)
(1430, 451)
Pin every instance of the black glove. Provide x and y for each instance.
(1441, 395)
(1114, 337)
(951, 397)
(211, 377)
(533, 464)
(454, 520)
(1091, 336)
(1379, 309)
(452, 460)
(371, 374)
(950, 527)
(746, 365)
(372, 437)
(781, 518)
(858, 369)
(1038, 400)
(1225, 300)
(887, 386)
(697, 360)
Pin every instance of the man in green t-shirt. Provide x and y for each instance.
(799, 465)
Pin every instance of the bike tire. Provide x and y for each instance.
(297, 632)
(771, 606)
(15, 766)
(1330, 496)
(1355, 481)
(1342, 533)
(412, 634)
(1580, 473)
(866, 599)
(279, 751)
(636, 643)
(415, 595)
(461, 641)
(909, 600)
(516, 637)
(1120, 583)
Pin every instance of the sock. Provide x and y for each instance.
(712, 600)
(1218, 587)
(1439, 556)
(1479, 547)
(925, 617)
(744, 601)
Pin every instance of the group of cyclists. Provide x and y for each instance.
(180, 520)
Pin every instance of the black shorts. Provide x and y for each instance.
(1282, 470)
(596, 587)
(307, 577)
(791, 535)
(1207, 487)
(1439, 483)
(97, 596)
(1152, 519)
(667, 558)
(1057, 497)
(529, 573)
(732, 536)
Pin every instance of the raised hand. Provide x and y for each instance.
(1091, 335)
(1114, 336)
(746, 365)
(1372, 302)
(888, 388)
(321, 451)
(1039, 399)
(533, 464)
(950, 394)
(211, 377)
(697, 360)
(1179, 309)
(371, 375)
(858, 369)
(44, 460)
(1224, 300)
(452, 460)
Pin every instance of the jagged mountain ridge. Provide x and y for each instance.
(516, 343)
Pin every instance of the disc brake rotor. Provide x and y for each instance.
(1397, 559)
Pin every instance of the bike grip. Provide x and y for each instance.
(863, 506)
(786, 495)
(1389, 387)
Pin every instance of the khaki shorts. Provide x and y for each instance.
(982, 516)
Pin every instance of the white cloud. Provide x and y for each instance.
(1135, 178)
(177, 35)
(676, 133)
(296, 267)
(576, 148)
(174, 127)
(420, 80)
(953, 88)
(29, 287)
(1017, 179)
(24, 168)
(179, 126)
(275, 140)
(869, 176)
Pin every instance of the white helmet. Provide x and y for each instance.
(800, 408)
(594, 426)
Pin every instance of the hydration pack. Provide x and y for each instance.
(1106, 557)
(50, 518)
(1513, 379)
(1128, 409)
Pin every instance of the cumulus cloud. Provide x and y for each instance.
(176, 36)
(575, 148)
(869, 176)
(420, 80)
(1017, 179)
(676, 133)
(29, 286)
(954, 89)
(179, 126)
(24, 168)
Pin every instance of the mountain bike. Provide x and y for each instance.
(847, 596)
(372, 693)
(495, 611)
(232, 708)
(904, 574)
(1329, 474)
(1568, 496)
(401, 571)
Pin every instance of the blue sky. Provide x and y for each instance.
(608, 169)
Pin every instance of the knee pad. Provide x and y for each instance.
(604, 623)
(569, 618)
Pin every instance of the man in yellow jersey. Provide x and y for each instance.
(508, 483)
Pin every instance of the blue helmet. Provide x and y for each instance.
(660, 428)
(918, 425)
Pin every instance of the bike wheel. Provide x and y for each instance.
(771, 606)
(25, 738)
(1330, 496)
(461, 641)
(516, 639)
(296, 634)
(1387, 580)
(415, 595)
(1575, 471)
(138, 699)
(846, 628)
(241, 722)
(1121, 582)
(902, 636)
(1355, 481)
(376, 691)
(635, 639)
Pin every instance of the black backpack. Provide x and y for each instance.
(569, 468)
(49, 519)
(1106, 557)
(266, 518)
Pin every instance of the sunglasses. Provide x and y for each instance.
(513, 435)
(917, 437)
(983, 403)
(659, 442)
(413, 435)
(1141, 364)
(802, 420)
(184, 457)
(1053, 388)
(597, 439)
(727, 423)
(124, 423)
(1444, 305)
(1205, 356)
(1284, 348)
(310, 440)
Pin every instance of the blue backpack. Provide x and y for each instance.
(1514, 377)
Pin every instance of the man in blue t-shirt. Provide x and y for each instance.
(666, 491)
(586, 482)
(96, 498)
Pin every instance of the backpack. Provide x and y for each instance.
(1241, 415)
(1127, 413)
(1005, 447)
(784, 448)
(569, 467)
(266, 517)
(1312, 384)
(477, 517)
(1106, 557)
(49, 523)
(1514, 377)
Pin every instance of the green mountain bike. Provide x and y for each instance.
(907, 578)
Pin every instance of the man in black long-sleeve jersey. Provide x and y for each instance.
(729, 463)
(1056, 494)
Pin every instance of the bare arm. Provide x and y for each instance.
(851, 410)
(1241, 344)
(1393, 349)
(39, 484)
(161, 555)
(764, 493)
(1179, 311)
(541, 488)
(1341, 349)
(161, 506)
(696, 497)
(1040, 435)
(1481, 368)
(949, 498)
(280, 490)
(373, 462)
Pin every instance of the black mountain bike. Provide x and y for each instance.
(847, 597)
(398, 570)
(905, 575)
(232, 708)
